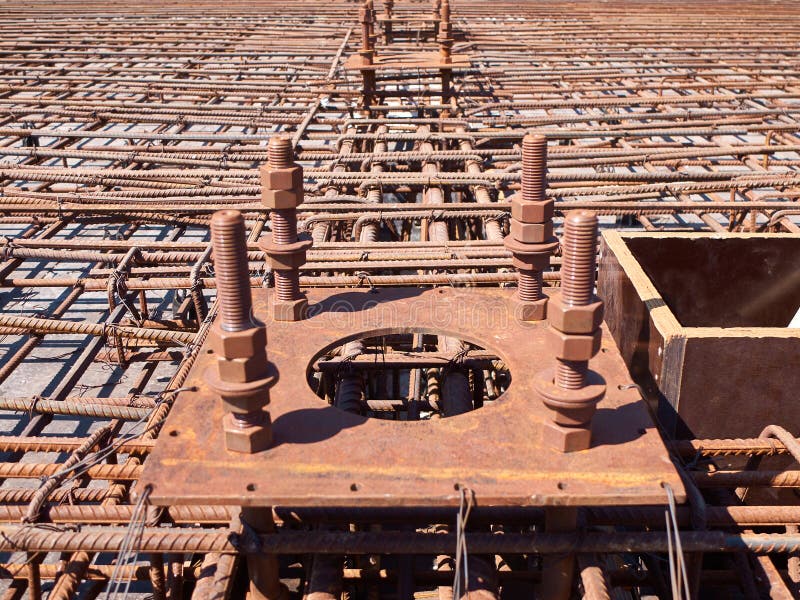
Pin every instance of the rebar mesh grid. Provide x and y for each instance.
(125, 126)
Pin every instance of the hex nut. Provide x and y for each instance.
(241, 370)
(256, 401)
(285, 257)
(289, 310)
(569, 346)
(531, 233)
(535, 255)
(530, 311)
(566, 439)
(281, 179)
(247, 440)
(531, 212)
(281, 199)
(568, 407)
(287, 261)
(575, 319)
(237, 344)
(531, 262)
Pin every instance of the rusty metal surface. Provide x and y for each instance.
(322, 456)
(124, 126)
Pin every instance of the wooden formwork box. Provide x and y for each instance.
(701, 320)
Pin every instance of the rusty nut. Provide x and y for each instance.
(531, 262)
(289, 310)
(287, 261)
(242, 396)
(285, 257)
(238, 344)
(247, 440)
(566, 439)
(241, 370)
(531, 233)
(531, 212)
(528, 257)
(569, 346)
(281, 199)
(530, 311)
(290, 178)
(570, 407)
(255, 401)
(575, 319)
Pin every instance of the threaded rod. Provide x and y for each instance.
(578, 258)
(534, 167)
(230, 265)
(529, 286)
(577, 284)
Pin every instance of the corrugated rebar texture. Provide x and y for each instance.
(124, 126)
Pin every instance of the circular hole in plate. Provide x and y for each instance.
(408, 375)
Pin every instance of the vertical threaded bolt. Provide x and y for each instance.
(534, 167)
(279, 152)
(284, 220)
(284, 226)
(365, 16)
(229, 243)
(577, 283)
(578, 258)
(287, 285)
(529, 286)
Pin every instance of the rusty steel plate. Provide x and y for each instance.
(322, 456)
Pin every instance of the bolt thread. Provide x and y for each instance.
(571, 374)
(284, 226)
(529, 286)
(287, 285)
(579, 256)
(230, 265)
(279, 152)
(366, 38)
(253, 418)
(534, 167)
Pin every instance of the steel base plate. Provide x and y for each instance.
(322, 456)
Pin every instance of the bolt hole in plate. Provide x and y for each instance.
(404, 375)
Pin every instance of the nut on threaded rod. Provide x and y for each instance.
(531, 239)
(571, 390)
(282, 193)
(578, 251)
(242, 374)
